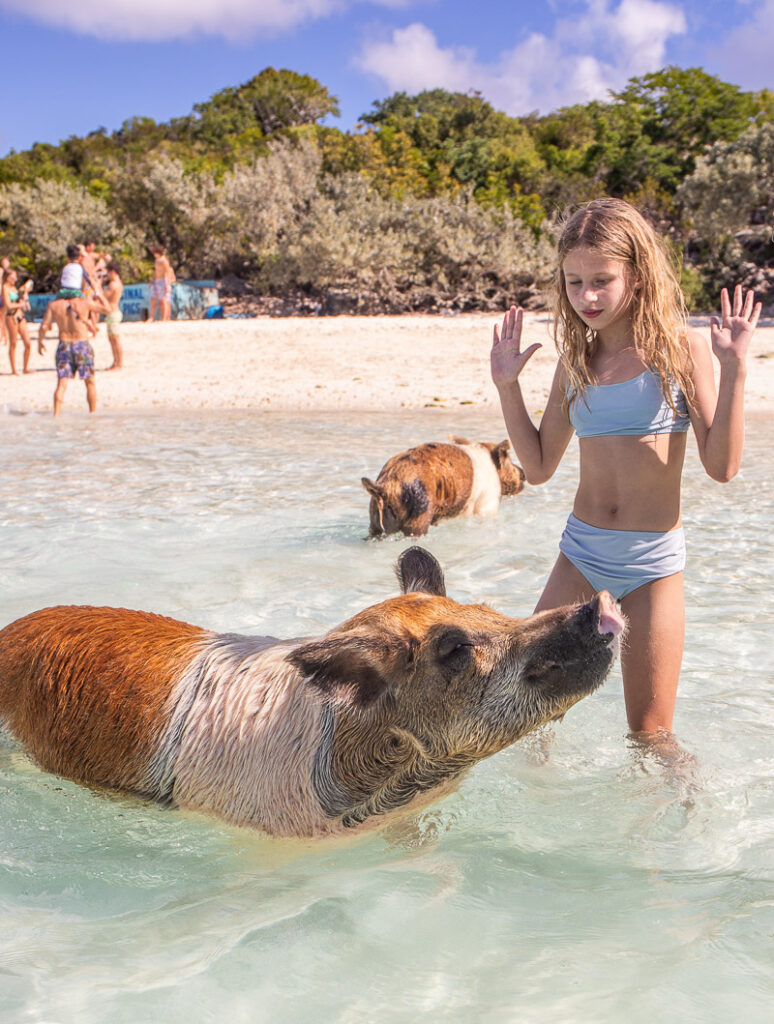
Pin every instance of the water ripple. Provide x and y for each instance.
(570, 877)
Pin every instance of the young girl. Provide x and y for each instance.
(630, 379)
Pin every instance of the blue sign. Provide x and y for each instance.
(190, 299)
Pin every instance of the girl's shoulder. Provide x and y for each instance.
(697, 347)
(694, 338)
(561, 387)
(561, 378)
(698, 362)
(560, 371)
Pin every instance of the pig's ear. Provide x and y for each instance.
(419, 572)
(347, 669)
(499, 452)
(373, 489)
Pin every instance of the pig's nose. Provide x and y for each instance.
(609, 619)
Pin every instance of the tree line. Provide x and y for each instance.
(434, 201)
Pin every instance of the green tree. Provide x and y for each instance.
(462, 142)
(660, 123)
(270, 102)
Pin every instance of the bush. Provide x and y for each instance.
(372, 252)
(279, 222)
(728, 209)
(41, 220)
(732, 186)
(261, 203)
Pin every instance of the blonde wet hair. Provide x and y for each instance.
(615, 229)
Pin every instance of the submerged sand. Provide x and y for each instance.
(329, 364)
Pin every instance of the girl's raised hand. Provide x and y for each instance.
(507, 359)
(731, 335)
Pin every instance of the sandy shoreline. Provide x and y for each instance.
(329, 364)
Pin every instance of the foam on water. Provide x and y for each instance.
(571, 878)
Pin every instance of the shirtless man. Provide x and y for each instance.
(74, 353)
(74, 282)
(161, 285)
(92, 261)
(114, 289)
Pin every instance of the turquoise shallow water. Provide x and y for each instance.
(572, 878)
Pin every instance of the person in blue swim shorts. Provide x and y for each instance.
(631, 379)
(74, 354)
(161, 285)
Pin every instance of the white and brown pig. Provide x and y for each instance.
(437, 481)
(296, 737)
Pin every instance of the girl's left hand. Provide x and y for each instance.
(731, 336)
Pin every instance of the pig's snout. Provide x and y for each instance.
(609, 619)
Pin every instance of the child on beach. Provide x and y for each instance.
(73, 277)
(631, 378)
(75, 283)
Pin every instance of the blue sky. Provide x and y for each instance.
(70, 66)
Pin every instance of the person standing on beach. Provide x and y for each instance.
(94, 263)
(161, 285)
(16, 327)
(114, 289)
(74, 282)
(631, 379)
(74, 353)
(5, 265)
(91, 260)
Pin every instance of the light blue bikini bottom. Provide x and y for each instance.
(622, 560)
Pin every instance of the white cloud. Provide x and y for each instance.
(412, 61)
(134, 20)
(583, 58)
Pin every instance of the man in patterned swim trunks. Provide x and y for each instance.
(74, 353)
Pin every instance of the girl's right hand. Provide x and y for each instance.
(507, 359)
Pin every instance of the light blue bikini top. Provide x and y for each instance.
(635, 406)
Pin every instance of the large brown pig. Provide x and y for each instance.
(296, 737)
(436, 481)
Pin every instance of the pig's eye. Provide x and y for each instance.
(537, 674)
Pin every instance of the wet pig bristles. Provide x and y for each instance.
(436, 481)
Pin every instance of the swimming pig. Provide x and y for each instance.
(436, 481)
(296, 737)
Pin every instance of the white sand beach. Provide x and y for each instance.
(338, 363)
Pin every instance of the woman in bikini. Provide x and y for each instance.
(15, 324)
